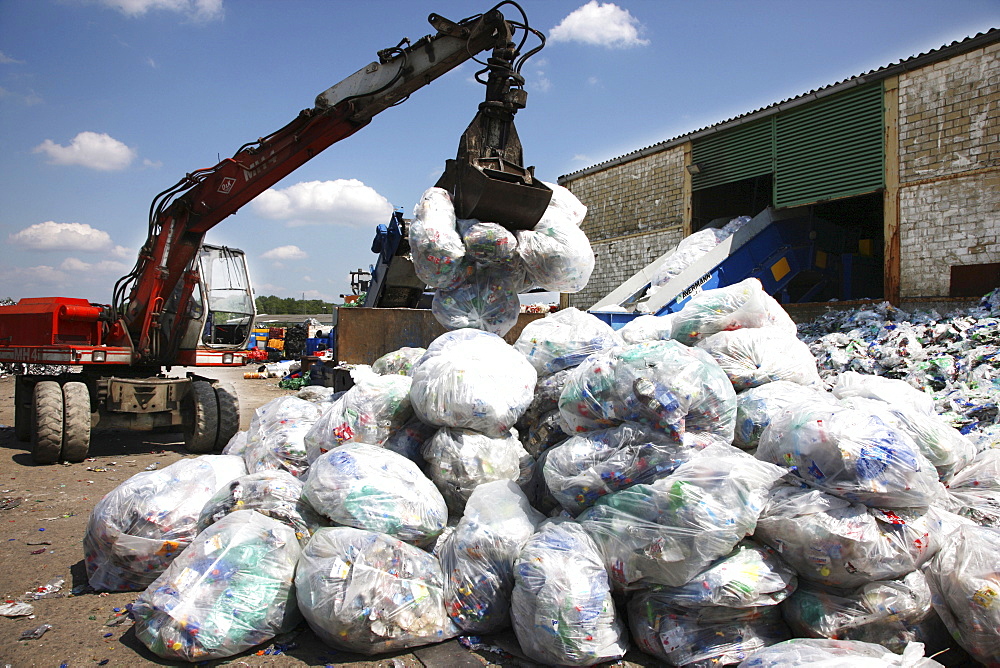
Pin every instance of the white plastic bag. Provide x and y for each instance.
(647, 328)
(759, 355)
(823, 653)
(564, 339)
(486, 299)
(556, 252)
(487, 242)
(398, 361)
(435, 245)
(743, 304)
(757, 406)
(276, 438)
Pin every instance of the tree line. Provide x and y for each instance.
(272, 305)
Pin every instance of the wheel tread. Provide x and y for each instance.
(76, 421)
(46, 422)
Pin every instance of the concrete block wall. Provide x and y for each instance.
(949, 169)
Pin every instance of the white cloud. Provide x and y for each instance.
(540, 82)
(89, 149)
(198, 10)
(7, 60)
(27, 99)
(285, 253)
(76, 266)
(32, 277)
(344, 202)
(50, 236)
(600, 24)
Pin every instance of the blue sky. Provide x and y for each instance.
(105, 103)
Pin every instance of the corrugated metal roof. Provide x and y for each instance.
(914, 62)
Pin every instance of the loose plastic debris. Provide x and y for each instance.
(35, 633)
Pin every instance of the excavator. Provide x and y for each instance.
(189, 304)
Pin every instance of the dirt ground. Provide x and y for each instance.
(43, 515)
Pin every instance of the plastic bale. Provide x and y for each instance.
(752, 575)
(752, 357)
(647, 328)
(757, 406)
(556, 252)
(710, 636)
(459, 460)
(369, 487)
(274, 494)
(230, 590)
(366, 592)
(589, 465)
(672, 529)
(892, 391)
(562, 609)
(277, 433)
(737, 306)
(478, 556)
(435, 245)
(852, 454)
(487, 299)
(975, 490)
(964, 578)
(139, 527)
(822, 653)
(471, 379)
(487, 242)
(398, 362)
(831, 541)
(671, 387)
(369, 412)
(564, 339)
(892, 613)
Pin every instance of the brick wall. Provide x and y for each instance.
(949, 171)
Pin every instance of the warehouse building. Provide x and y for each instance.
(901, 163)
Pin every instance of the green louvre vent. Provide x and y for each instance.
(830, 149)
(741, 153)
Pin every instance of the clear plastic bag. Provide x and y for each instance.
(759, 355)
(852, 454)
(687, 252)
(487, 242)
(823, 653)
(890, 390)
(372, 488)
(542, 433)
(237, 444)
(672, 529)
(486, 299)
(891, 613)
(701, 636)
(366, 592)
(591, 464)
(965, 580)
(564, 339)
(399, 362)
(139, 527)
(663, 384)
(647, 328)
(435, 245)
(975, 489)
(277, 434)
(743, 304)
(231, 589)
(756, 407)
(275, 494)
(556, 252)
(408, 441)
(562, 609)
(478, 556)
(459, 460)
(369, 412)
(472, 380)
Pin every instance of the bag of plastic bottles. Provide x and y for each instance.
(563, 339)
(399, 362)
(664, 384)
(831, 541)
(688, 251)
(276, 438)
(892, 613)
(591, 464)
(561, 608)
(372, 488)
(752, 575)
(237, 444)
(369, 412)
(647, 328)
(366, 592)
(275, 494)
(459, 460)
(965, 580)
(139, 527)
(709, 636)
(485, 242)
(472, 380)
(231, 589)
(759, 355)
(890, 390)
(823, 653)
(737, 306)
(408, 441)
(757, 406)
(435, 245)
(670, 530)
(478, 556)
(975, 490)
(487, 299)
(556, 252)
(852, 454)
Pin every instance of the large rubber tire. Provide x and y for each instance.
(46, 422)
(201, 418)
(22, 409)
(76, 421)
(229, 413)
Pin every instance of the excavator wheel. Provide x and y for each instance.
(22, 409)
(76, 421)
(229, 413)
(201, 417)
(46, 422)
